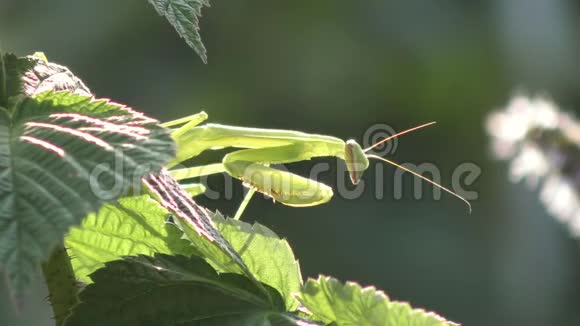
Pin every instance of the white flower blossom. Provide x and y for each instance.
(544, 146)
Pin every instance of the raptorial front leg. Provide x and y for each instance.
(249, 166)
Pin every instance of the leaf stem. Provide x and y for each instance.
(61, 282)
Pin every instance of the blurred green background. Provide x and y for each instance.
(337, 68)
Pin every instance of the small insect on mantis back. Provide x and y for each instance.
(262, 147)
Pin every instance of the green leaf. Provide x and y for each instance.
(48, 76)
(133, 226)
(188, 213)
(350, 304)
(62, 156)
(184, 16)
(269, 258)
(12, 69)
(175, 290)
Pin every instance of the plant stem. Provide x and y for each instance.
(61, 282)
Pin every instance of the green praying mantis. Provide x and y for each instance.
(261, 147)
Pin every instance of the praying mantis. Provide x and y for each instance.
(258, 148)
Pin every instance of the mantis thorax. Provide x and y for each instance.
(356, 160)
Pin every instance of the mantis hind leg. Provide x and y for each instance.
(251, 166)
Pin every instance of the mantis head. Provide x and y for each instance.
(356, 161)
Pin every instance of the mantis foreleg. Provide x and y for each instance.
(288, 188)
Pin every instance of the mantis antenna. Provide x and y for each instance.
(406, 169)
(409, 170)
(398, 134)
(422, 177)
